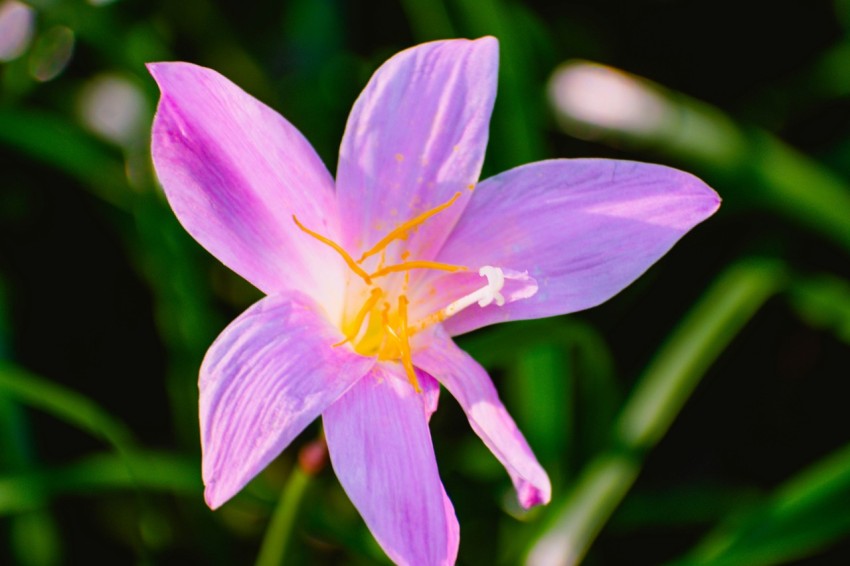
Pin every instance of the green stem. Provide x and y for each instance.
(279, 532)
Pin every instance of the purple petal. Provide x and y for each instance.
(415, 137)
(235, 172)
(469, 383)
(269, 374)
(584, 229)
(430, 392)
(381, 451)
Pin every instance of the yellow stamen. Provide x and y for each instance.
(408, 265)
(348, 259)
(400, 233)
(404, 344)
(354, 327)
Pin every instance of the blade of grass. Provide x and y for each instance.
(55, 141)
(517, 123)
(658, 397)
(753, 167)
(151, 471)
(274, 547)
(824, 302)
(34, 538)
(801, 517)
(65, 404)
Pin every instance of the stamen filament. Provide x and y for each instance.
(404, 343)
(361, 316)
(408, 265)
(400, 233)
(348, 259)
(489, 293)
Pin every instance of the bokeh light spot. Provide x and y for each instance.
(17, 23)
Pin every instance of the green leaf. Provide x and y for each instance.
(800, 518)
(680, 506)
(517, 124)
(824, 302)
(59, 143)
(64, 404)
(706, 331)
(659, 395)
(146, 471)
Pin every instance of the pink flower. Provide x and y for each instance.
(367, 278)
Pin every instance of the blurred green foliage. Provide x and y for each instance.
(698, 418)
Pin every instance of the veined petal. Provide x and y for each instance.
(584, 229)
(415, 137)
(381, 451)
(269, 374)
(469, 383)
(235, 172)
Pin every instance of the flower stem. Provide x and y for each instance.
(279, 532)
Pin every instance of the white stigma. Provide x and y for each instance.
(484, 296)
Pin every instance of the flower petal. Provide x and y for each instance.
(430, 392)
(583, 228)
(415, 137)
(235, 172)
(381, 451)
(269, 374)
(469, 383)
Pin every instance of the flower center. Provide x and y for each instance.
(380, 326)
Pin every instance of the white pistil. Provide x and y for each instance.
(487, 294)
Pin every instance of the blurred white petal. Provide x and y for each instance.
(17, 23)
(605, 98)
(113, 107)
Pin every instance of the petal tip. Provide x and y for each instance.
(488, 47)
(535, 489)
(490, 41)
(711, 200)
(156, 69)
(213, 497)
(530, 495)
(168, 72)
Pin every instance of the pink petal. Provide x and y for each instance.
(469, 383)
(235, 172)
(381, 451)
(584, 229)
(415, 137)
(430, 392)
(269, 374)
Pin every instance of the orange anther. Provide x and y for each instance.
(408, 265)
(400, 233)
(404, 344)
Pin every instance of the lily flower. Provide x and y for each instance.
(368, 277)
